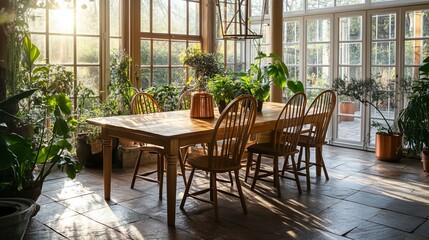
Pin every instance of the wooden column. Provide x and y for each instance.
(208, 25)
(276, 25)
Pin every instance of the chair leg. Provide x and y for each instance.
(276, 175)
(322, 162)
(231, 179)
(240, 192)
(285, 163)
(136, 169)
(161, 174)
(295, 172)
(299, 158)
(188, 186)
(182, 156)
(248, 165)
(257, 167)
(214, 195)
(307, 167)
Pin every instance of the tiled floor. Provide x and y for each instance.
(364, 199)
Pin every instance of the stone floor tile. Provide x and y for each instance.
(37, 231)
(397, 220)
(393, 203)
(114, 216)
(423, 230)
(368, 230)
(85, 203)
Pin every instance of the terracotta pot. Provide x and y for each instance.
(202, 105)
(425, 161)
(347, 107)
(388, 147)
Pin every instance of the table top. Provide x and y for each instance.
(179, 123)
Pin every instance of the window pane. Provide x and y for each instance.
(89, 76)
(292, 32)
(115, 45)
(65, 13)
(316, 4)
(291, 54)
(178, 17)
(318, 30)
(416, 24)
(350, 72)
(145, 55)
(416, 51)
(177, 48)
(160, 53)
(87, 17)
(61, 50)
(145, 15)
(88, 50)
(350, 53)
(383, 27)
(383, 74)
(317, 76)
(293, 73)
(348, 2)
(160, 16)
(145, 77)
(178, 76)
(37, 21)
(318, 54)
(40, 41)
(194, 18)
(383, 53)
(115, 17)
(350, 28)
(293, 5)
(160, 76)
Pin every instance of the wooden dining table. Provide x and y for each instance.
(169, 130)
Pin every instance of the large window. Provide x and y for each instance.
(68, 33)
(167, 29)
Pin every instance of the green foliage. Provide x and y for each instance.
(259, 77)
(224, 88)
(21, 156)
(414, 119)
(120, 89)
(28, 160)
(366, 91)
(166, 96)
(204, 65)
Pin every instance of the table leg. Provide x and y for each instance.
(172, 157)
(107, 163)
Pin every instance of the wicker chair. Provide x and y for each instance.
(313, 136)
(284, 144)
(143, 103)
(225, 150)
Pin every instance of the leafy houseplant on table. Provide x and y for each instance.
(414, 119)
(205, 66)
(224, 89)
(368, 91)
(258, 79)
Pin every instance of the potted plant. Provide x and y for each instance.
(259, 77)
(224, 89)
(167, 96)
(414, 119)
(388, 143)
(204, 66)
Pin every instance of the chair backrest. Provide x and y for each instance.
(143, 103)
(289, 124)
(185, 100)
(320, 111)
(231, 132)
